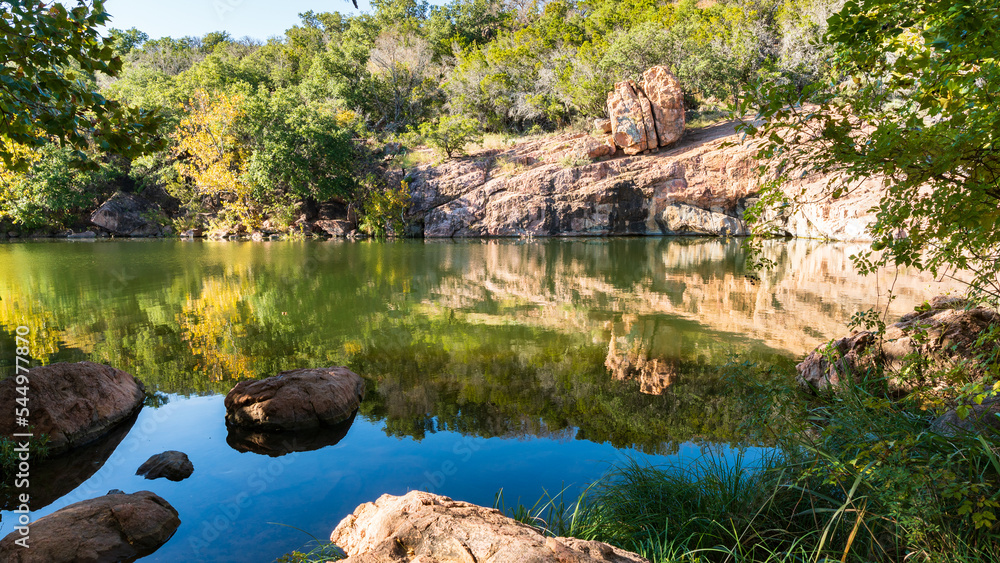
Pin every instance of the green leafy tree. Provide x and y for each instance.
(43, 98)
(451, 133)
(917, 107)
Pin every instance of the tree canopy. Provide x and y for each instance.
(49, 56)
(913, 101)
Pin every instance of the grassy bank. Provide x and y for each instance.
(863, 479)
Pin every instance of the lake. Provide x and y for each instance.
(526, 366)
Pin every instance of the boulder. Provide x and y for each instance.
(981, 419)
(602, 125)
(425, 527)
(115, 527)
(631, 118)
(172, 464)
(666, 100)
(73, 403)
(127, 214)
(333, 227)
(82, 235)
(945, 337)
(295, 400)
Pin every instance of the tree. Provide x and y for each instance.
(451, 133)
(915, 103)
(43, 97)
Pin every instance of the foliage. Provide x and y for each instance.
(46, 55)
(451, 133)
(51, 192)
(382, 209)
(911, 103)
(213, 154)
(868, 482)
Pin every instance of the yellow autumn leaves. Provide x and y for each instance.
(212, 154)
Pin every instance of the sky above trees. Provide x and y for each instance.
(259, 19)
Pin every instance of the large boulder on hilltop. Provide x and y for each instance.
(943, 334)
(129, 215)
(299, 399)
(631, 117)
(72, 403)
(666, 101)
(430, 528)
(115, 527)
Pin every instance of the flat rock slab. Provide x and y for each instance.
(172, 464)
(431, 528)
(115, 527)
(299, 399)
(72, 403)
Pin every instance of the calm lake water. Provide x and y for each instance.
(526, 366)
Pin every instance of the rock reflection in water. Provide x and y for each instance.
(276, 444)
(54, 477)
(628, 360)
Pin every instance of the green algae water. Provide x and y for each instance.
(521, 365)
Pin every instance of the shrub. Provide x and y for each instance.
(450, 134)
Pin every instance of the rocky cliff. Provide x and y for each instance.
(551, 187)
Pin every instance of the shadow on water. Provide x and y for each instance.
(276, 444)
(54, 477)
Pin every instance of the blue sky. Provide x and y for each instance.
(257, 18)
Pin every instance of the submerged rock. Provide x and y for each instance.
(295, 400)
(172, 464)
(115, 527)
(422, 526)
(73, 403)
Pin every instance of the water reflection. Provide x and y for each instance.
(54, 477)
(614, 341)
(276, 444)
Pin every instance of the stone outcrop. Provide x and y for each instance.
(942, 332)
(73, 403)
(115, 527)
(172, 464)
(129, 215)
(700, 188)
(666, 102)
(632, 126)
(647, 115)
(295, 400)
(430, 528)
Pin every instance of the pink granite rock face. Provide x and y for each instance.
(425, 527)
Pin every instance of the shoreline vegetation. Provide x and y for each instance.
(242, 136)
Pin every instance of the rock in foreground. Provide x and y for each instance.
(72, 403)
(429, 528)
(172, 464)
(115, 527)
(295, 400)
